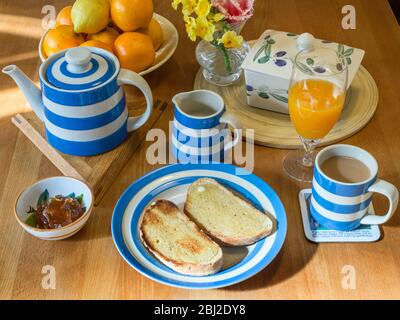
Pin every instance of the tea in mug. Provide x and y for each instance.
(345, 169)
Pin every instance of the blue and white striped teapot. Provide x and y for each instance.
(82, 102)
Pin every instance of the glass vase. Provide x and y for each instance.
(221, 67)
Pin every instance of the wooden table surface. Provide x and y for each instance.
(89, 266)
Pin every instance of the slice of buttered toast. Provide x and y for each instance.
(224, 216)
(177, 242)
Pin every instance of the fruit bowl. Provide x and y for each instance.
(163, 54)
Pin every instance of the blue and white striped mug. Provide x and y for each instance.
(200, 132)
(82, 102)
(344, 206)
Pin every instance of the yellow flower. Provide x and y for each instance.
(218, 17)
(202, 23)
(205, 29)
(188, 7)
(199, 27)
(203, 8)
(231, 40)
(191, 27)
(175, 4)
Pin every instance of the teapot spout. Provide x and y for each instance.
(28, 88)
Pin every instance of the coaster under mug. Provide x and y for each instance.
(319, 234)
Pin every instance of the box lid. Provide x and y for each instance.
(274, 52)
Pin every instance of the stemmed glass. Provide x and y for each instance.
(317, 94)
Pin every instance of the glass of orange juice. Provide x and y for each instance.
(317, 94)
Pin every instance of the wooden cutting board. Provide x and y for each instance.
(98, 171)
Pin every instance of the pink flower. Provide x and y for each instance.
(235, 11)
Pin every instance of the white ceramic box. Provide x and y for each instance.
(269, 64)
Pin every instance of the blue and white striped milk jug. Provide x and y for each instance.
(82, 102)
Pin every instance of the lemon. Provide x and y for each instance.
(155, 32)
(90, 16)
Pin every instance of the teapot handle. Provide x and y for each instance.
(129, 77)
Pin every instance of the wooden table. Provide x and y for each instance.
(89, 266)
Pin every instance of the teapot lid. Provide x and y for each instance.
(80, 69)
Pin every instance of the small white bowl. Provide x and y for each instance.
(55, 186)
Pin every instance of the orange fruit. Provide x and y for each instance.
(130, 15)
(135, 51)
(64, 17)
(108, 36)
(155, 32)
(114, 26)
(97, 44)
(60, 38)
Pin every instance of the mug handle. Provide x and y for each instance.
(229, 120)
(390, 192)
(132, 78)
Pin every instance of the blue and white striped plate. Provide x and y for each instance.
(171, 183)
